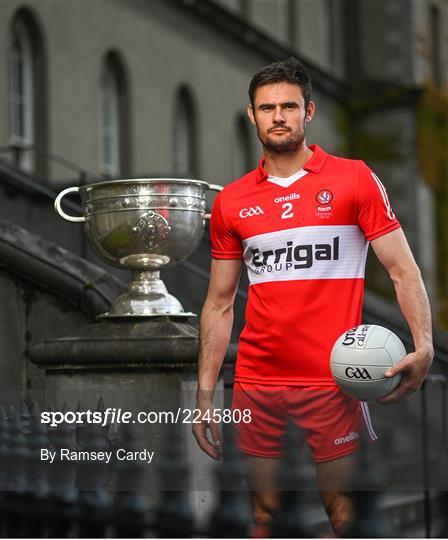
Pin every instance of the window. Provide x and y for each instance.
(242, 155)
(185, 136)
(327, 33)
(244, 8)
(287, 21)
(293, 17)
(21, 95)
(436, 44)
(110, 119)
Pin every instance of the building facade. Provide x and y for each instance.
(113, 88)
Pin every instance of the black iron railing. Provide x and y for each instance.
(16, 151)
(83, 498)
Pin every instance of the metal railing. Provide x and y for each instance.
(18, 150)
(82, 498)
(432, 381)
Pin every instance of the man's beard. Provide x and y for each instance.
(283, 145)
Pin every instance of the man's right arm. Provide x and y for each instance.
(215, 331)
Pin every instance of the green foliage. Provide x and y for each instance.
(361, 144)
(432, 151)
(358, 143)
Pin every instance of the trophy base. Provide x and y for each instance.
(147, 296)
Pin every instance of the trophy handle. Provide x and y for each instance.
(214, 187)
(58, 208)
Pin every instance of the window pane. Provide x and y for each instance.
(21, 95)
(436, 36)
(242, 161)
(184, 135)
(110, 110)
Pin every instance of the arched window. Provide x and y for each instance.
(327, 33)
(185, 134)
(21, 94)
(293, 20)
(436, 36)
(110, 160)
(244, 8)
(287, 20)
(27, 97)
(242, 155)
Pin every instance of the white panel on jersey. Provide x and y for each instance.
(384, 196)
(318, 252)
(288, 181)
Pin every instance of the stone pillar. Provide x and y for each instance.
(141, 366)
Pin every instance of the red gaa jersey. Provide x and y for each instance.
(305, 249)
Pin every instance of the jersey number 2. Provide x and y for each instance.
(287, 210)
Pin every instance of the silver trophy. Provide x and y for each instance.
(143, 225)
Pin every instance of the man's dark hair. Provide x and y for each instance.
(291, 70)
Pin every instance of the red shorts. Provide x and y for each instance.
(331, 421)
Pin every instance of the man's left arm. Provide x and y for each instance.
(394, 253)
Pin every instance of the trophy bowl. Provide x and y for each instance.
(144, 225)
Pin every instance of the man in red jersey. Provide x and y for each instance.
(301, 222)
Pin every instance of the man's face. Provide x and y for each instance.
(279, 116)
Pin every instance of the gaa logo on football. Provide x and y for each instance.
(357, 373)
(249, 212)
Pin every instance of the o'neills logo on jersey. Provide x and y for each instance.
(290, 197)
(294, 257)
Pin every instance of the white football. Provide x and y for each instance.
(361, 356)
